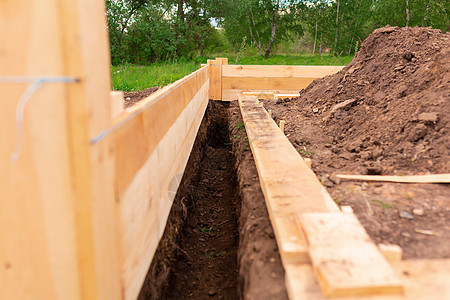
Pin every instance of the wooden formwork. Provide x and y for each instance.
(85, 204)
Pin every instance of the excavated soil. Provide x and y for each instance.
(386, 113)
(218, 242)
(131, 98)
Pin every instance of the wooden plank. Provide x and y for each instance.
(392, 253)
(266, 83)
(56, 242)
(146, 203)
(215, 79)
(433, 178)
(289, 186)
(279, 71)
(117, 103)
(345, 260)
(135, 140)
(230, 95)
(282, 96)
(261, 95)
(422, 279)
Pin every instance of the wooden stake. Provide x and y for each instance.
(282, 122)
(434, 178)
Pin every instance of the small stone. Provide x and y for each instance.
(405, 215)
(418, 211)
(428, 117)
(406, 234)
(212, 292)
(315, 110)
(202, 240)
(417, 133)
(364, 186)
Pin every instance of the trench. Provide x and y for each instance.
(218, 242)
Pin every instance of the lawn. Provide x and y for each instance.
(135, 78)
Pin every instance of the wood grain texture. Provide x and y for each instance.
(289, 186)
(230, 95)
(279, 71)
(432, 178)
(136, 140)
(345, 260)
(57, 244)
(422, 279)
(265, 83)
(146, 203)
(215, 79)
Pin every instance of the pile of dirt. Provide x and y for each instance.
(387, 112)
(389, 109)
(131, 98)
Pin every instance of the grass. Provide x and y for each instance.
(306, 153)
(384, 205)
(135, 78)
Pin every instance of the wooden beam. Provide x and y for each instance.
(279, 71)
(215, 75)
(289, 186)
(432, 178)
(57, 209)
(266, 83)
(139, 136)
(117, 103)
(232, 94)
(260, 95)
(345, 260)
(422, 279)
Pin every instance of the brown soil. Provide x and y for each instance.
(387, 112)
(131, 98)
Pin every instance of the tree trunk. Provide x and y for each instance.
(407, 12)
(257, 42)
(337, 29)
(315, 35)
(274, 29)
(180, 12)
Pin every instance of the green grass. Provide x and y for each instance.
(135, 78)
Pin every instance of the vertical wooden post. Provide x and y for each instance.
(215, 78)
(117, 105)
(282, 122)
(57, 209)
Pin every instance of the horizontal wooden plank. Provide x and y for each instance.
(153, 116)
(279, 71)
(345, 260)
(261, 95)
(422, 279)
(432, 178)
(146, 203)
(265, 83)
(289, 186)
(230, 95)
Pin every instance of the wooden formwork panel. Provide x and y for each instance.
(152, 150)
(268, 78)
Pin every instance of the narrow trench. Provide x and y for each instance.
(206, 262)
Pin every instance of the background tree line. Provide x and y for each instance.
(145, 31)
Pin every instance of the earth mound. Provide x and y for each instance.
(389, 109)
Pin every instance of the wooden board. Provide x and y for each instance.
(261, 95)
(146, 202)
(289, 186)
(135, 140)
(345, 260)
(266, 83)
(279, 71)
(422, 279)
(230, 95)
(56, 212)
(433, 178)
(117, 103)
(215, 79)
